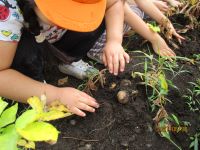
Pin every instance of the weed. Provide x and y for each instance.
(195, 141)
(154, 76)
(192, 98)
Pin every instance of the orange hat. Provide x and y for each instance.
(77, 15)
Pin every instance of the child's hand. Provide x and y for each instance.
(161, 48)
(174, 33)
(174, 3)
(115, 57)
(77, 101)
(166, 24)
(162, 6)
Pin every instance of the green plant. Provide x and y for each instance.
(192, 98)
(154, 76)
(195, 141)
(31, 125)
(196, 57)
(153, 27)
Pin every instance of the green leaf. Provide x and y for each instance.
(175, 119)
(26, 118)
(36, 104)
(3, 105)
(39, 131)
(191, 144)
(8, 116)
(196, 143)
(9, 138)
(153, 28)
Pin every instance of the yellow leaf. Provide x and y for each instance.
(26, 118)
(39, 131)
(36, 104)
(193, 2)
(26, 144)
(163, 82)
(53, 115)
(59, 108)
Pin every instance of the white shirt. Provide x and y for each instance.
(11, 23)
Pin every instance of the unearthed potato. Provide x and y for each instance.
(123, 97)
(125, 83)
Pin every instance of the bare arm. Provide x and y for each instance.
(114, 56)
(114, 20)
(150, 9)
(16, 86)
(139, 26)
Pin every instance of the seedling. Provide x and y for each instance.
(193, 99)
(195, 141)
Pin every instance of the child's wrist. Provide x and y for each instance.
(154, 38)
(51, 92)
(114, 41)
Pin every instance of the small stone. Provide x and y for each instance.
(124, 143)
(149, 145)
(137, 130)
(73, 122)
(113, 142)
(132, 138)
(88, 147)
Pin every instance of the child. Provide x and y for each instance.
(133, 17)
(72, 26)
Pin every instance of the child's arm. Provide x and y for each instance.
(149, 8)
(16, 86)
(114, 55)
(139, 26)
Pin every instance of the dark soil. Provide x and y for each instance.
(118, 126)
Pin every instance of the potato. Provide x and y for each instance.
(123, 97)
(125, 83)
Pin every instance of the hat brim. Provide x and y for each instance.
(73, 15)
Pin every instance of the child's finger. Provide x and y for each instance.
(127, 57)
(104, 60)
(85, 107)
(88, 102)
(116, 64)
(171, 52)
(110, 64)
(122, 63)
(78, 112)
